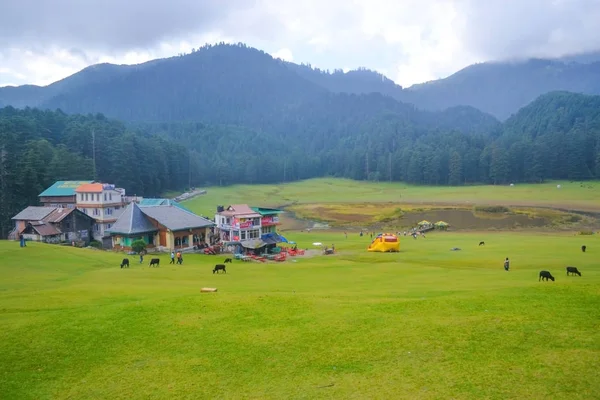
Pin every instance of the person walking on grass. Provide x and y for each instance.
(506, 264)
(172, 257)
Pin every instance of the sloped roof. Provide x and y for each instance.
(63, 188)
(132, 221)
(175, 218)
(34, 213)
(239, 210)
(90, 188)
(148, 202)
(46, 229)
(58, 214)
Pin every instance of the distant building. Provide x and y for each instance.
(53, 224)
(150, 202)
(61, 194)
(164, 227)
(239, 222)
(104, 203)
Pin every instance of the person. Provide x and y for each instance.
(141, 256)
(172, 257)
(506, 264)
(22, 240)
(333, 248)
(179, 259)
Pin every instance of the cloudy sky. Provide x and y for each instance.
(410, 41)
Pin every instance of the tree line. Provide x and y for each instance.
(556, 137)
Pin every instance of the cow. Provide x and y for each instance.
(228, 260)
(545, 275)
(583, 248)
(482, 243)
(219, 267)
(573, 270)
(155, 261)
(125, 263)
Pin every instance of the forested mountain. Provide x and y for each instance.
(236, 84)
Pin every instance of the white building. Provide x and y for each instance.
(103, 202)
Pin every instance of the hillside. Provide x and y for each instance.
(502, 88)
(236, 84)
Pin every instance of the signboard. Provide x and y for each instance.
(108, 187)
(246, 225)
(270, 220)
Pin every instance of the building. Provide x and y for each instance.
(61, 194)
(164, 227)
(53, 224)
(104, 203)
(239, 222)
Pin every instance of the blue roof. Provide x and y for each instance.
(161, 202)
(131, 222)
(63, 188)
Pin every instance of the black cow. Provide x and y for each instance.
(545, 275)
(155, 261)
(573, 270)
(583, 248)
(482, 243)
(219, 267)
(125, 263)
(228, 260)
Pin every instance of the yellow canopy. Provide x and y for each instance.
(441, 223)
(424, 222)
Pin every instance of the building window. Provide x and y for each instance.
(86, 197)
(110, 196)
(253, 234)
(105, 198)
(96, 211)
(108, 226)
(243, 235)
(108, 211)
(97, 227)
(177, 241)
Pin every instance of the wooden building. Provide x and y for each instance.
(53, 224)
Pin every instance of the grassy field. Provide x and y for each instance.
(575, 195)
(426, 323)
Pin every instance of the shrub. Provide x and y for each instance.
(586, 233)
(96, 244)
(492, 209)
(138, 246)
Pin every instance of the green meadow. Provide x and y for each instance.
(425, 323)
(571, 195)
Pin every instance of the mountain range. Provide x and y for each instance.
(193, 86)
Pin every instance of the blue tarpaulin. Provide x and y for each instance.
(272, 238)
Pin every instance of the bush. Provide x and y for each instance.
(586, 233)
(492, 209)
(138, 246)
(96, 244)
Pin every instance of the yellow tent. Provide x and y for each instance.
(441, 225)
(424, 222)
(385, 242)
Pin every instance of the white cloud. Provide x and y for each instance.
(408, 40)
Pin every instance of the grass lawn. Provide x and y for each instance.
(426, 323)
(571, 195)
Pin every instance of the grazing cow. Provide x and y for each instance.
(545, 275)
(228, 260)
(583, 248)
(125, 263)
(482, 243)
(573, 270)
(219, 267)
(155, 261)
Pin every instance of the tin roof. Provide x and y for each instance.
(149, 202)
(34, 213)
(132, 221)
(63, 188)
(239, 210)
(175, 218)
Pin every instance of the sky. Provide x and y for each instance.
(410, 41)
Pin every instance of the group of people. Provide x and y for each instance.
(177, 255)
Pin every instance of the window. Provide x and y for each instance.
(110, 196)
(96, 211)
(105, 197)
(108, 211)
(253, 234)
(97, 196)
(243, 235)
(97, 227)
(86, 197)
(108, 226)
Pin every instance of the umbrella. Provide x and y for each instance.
(424, 222)
(441, 223)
